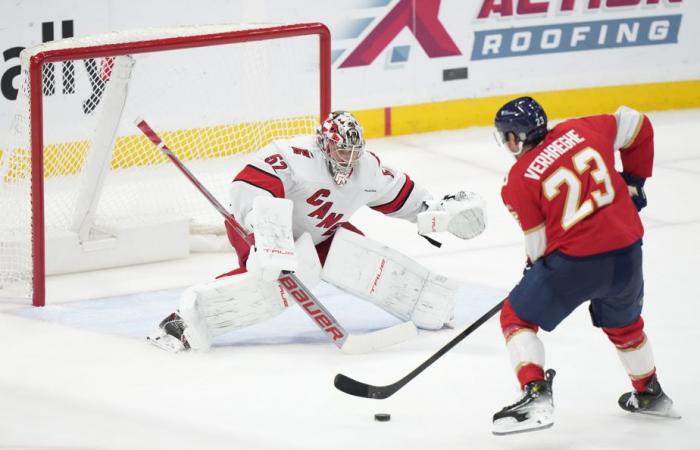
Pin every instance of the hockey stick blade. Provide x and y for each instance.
(365, 343)
(359, 389)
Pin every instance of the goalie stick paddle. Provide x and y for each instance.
(360, 389)
(308, 302)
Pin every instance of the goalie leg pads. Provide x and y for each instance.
(390, 280)
(309, 265)
(211, 309)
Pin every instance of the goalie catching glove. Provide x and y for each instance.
(462, 214)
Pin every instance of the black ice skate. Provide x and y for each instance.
(170, 335)
(534, 411)
(652, 401)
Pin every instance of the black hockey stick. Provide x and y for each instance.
(360, 389)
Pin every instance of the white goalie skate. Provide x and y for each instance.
(534, 410)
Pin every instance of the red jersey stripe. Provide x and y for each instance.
(379, 163)
(261, 179)
(398, 202)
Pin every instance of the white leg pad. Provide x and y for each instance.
(309, 271)
(524, 347)
(226, 304)
(436, 303)
(222, 305)
(390, 280)
(639, 361)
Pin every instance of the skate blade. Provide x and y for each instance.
(165, 342)
(523, 427)
(523, 430)
(670, 413)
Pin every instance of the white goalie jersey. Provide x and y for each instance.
(297, 170)
(288, 197)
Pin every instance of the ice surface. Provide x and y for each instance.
(77, 375)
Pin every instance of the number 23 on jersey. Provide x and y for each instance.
(586, 160)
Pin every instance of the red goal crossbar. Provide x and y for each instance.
(39, 59)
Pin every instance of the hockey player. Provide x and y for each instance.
(305, 189)
(583, 238)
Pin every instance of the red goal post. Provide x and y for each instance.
(219, 91)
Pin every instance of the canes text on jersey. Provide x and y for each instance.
(327, 218)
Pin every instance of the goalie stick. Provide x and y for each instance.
(360, 389)
(348, 343)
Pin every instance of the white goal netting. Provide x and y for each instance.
(104, 184)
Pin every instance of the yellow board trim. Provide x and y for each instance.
(419, 118)
(453, 114)
(372, 121)
(68, 158)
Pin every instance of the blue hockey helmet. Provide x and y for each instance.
(523, 117)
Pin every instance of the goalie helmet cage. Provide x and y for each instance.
(81, 189)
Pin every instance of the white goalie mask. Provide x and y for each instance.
(340, 138)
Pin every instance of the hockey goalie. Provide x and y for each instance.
(296, 198)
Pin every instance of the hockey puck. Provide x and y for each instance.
(382, 417)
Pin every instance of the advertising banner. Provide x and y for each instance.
(409, 52)
(393, 53)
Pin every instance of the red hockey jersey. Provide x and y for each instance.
(566, 193)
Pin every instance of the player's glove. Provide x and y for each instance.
(274, 251)
(462, 214)
(635, 185)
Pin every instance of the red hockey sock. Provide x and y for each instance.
(634, 352)
(529, 373)
(512, 326)
(627, 337)
(511, 323)
(640, 384)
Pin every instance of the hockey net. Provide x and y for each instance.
(82, 189)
